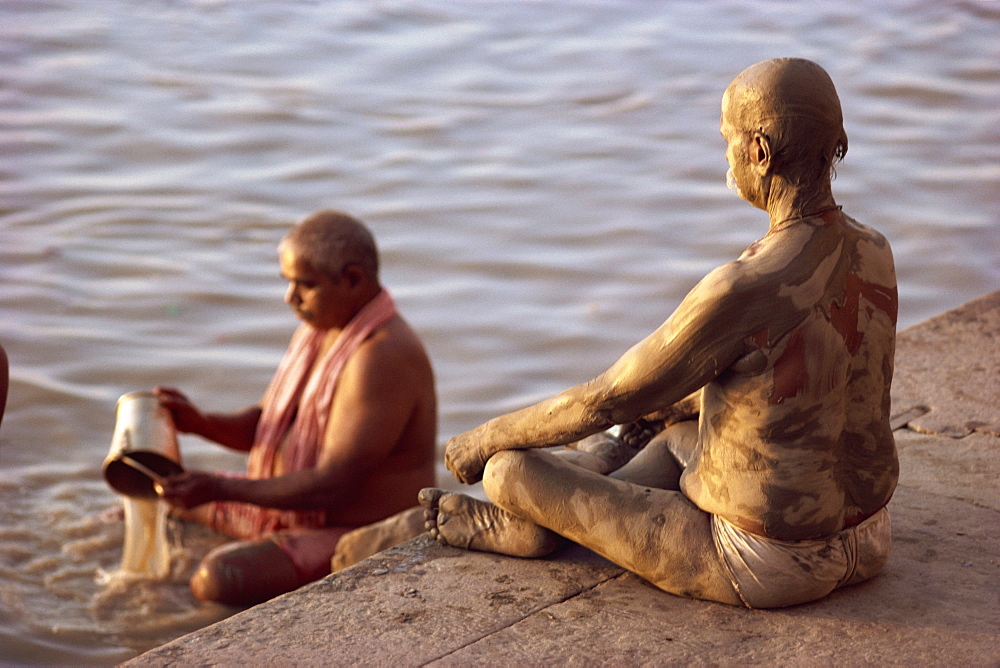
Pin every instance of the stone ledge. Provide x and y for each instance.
(936, 602)
(948, 371)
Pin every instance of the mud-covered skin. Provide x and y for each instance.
(793, 343)
(794, 436)
(789, 348)
(656, 533)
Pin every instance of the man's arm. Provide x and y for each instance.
(232, 430)
(371, 407)
(701, 339)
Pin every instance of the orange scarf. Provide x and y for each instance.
(294, 413)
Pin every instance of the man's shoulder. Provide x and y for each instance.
(751, 285)
(867, 233)
(393, 344)
(762, 263)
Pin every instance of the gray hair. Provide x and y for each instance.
(330, 240)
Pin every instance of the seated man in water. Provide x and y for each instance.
(344, 436)
(776, 494)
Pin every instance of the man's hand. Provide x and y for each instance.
(187, 418)
(464, 458)
(190, 489)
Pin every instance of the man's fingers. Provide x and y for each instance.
(468, 475)
(165, 392)
(457, 461)
(458, 472)
(168, 396)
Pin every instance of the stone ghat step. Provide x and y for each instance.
(936, 602)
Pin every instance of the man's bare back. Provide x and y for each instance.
(784, 425)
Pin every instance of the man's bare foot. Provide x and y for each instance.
(603, 453)
(636, 435)
(462, 521)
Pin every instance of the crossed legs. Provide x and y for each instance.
(634, 517)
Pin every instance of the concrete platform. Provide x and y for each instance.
(937, 602)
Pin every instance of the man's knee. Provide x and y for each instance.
(221, 577)
(501, 470)
(212, 581)
(681, 440)
(244, 574)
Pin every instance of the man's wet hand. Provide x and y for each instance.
(187, 418)
(464, 458)
(189, 489)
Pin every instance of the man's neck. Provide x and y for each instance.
(787, 202)
(333, 333)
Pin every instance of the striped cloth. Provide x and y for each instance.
(294, 414)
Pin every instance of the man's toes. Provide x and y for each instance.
(428, 497)
(431, 521)
(453, 504)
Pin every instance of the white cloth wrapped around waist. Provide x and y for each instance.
(770, 573)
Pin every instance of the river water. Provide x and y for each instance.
(545, 179)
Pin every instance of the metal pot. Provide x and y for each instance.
(143, 446)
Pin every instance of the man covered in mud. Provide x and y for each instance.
(765, 394)
(344, 436)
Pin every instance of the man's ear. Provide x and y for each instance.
(760, 153)
(353, 274)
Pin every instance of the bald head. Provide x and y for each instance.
(793, 103)
(330, 240)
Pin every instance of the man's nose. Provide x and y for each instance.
(292, 295)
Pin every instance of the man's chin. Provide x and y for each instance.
(731, 184)
(310, 320)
